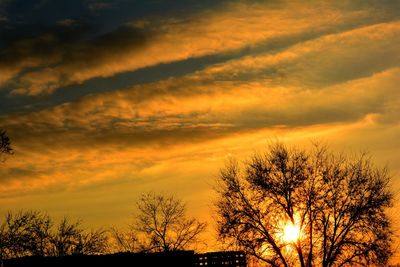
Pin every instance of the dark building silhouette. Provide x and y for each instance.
(170, 259)
(221, 259)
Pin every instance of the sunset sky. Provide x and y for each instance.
(105, 100)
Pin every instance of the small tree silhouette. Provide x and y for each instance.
(163, 222)
(306, 208)
(5, 144)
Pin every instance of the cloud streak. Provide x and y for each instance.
(193, 114)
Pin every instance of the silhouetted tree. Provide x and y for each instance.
(32, 233)
(5, 149)
(25, 233)
(333, 205)
(93, 242)
(162, 220)
(40, 230)
(70, 238)
(125, 241)
(5, 144)
(66, 237)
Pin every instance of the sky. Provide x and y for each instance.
(106, 100)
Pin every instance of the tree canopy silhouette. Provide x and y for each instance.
(291, 207)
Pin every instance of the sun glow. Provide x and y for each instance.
(291, 232)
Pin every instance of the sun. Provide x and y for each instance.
(291, 232)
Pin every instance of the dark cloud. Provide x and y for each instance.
(27, 18)
(105, 46)
(42, 45)
(65, 44)
(38, 36)
(12, 104)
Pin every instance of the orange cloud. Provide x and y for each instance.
(105, 137)
(148, 43)
(326, 59)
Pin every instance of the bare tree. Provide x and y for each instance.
(70, 238)
(66, 237)
(125, 241)
(93, 242)
(5, 149)
(162, 219)
(39, 232)
(25, 233)
(32, 233)
(306, 208)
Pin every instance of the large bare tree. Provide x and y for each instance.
(163, 221)
(291, 207)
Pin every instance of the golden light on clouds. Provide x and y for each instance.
(104, 107)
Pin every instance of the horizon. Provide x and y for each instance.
(104, 100)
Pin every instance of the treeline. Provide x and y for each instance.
(34, 233)
(161, 225)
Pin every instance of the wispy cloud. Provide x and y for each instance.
(331, 58)
(130, 126)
